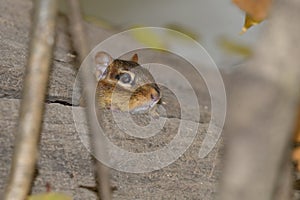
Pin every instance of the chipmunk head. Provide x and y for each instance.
(125, 85)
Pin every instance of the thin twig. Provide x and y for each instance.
(82, 48)
(32, 104)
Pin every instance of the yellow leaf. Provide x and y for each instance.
(249, 22)
(235, 47)
(98, 22)
(148, 38)
(49, 196)
(183, 30)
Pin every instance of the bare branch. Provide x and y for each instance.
(32, 105)
(82, 47)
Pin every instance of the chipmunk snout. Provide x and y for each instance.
(155, 92)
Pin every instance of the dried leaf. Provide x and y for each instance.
(296, 157)
(258, 10)
(249, 22)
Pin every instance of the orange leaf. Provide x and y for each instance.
(249, 22)
(257, 9)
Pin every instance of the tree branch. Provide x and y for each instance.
(32, 105)
(263, 104)
(82, 48)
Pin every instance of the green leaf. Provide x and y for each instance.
(50, 196)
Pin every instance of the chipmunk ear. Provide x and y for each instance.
(102, 60)
(135, 58)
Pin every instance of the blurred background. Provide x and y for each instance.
(214, 24)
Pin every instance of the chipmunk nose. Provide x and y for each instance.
(155, 93)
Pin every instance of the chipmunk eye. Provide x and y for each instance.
(125, 78)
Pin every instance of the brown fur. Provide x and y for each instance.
(113, 95)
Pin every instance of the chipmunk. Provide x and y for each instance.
(124, 85)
